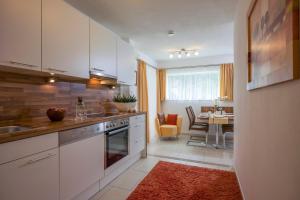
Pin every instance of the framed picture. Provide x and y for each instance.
(273, 42)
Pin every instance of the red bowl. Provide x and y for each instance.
(56, 114)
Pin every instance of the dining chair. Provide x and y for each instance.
(203, 122)
(227, 109)
(198, 126)
(227, 129)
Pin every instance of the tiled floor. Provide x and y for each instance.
(177, 148)
(123, 185)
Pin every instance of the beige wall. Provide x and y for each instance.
(267, 141)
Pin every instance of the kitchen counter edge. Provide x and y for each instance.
(44, 127)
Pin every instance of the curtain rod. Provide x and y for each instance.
(195, 66)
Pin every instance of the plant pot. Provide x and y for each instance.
(125, 107)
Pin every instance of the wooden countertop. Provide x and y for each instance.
(43, 126)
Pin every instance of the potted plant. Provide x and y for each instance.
(125, 103)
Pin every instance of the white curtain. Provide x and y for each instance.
(198, 83)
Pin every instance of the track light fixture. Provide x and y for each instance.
(184, 53)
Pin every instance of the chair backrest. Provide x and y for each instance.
(228, 109)
(193, 113)
(205, 109)
(190, 115)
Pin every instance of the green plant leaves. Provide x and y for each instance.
(125, 99)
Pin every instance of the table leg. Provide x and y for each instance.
(217, 136)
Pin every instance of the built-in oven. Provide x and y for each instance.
(117, 136)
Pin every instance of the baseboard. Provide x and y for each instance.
(89, 192)
(241, 189)
(120, 167)
(189, 160)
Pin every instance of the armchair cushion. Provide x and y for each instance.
(161, 118)
(172, 119)
(169, 130)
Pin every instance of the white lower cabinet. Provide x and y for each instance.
(34, 177)
(137, 134)
(35, 168)
(81, 165)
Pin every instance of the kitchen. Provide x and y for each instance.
(50, 55)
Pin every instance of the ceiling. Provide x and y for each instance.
(199, 24)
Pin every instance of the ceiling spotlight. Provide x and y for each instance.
(179, 55)
(52, 74)
(51, 80)
(171, 56)
(196, 53)
(188, 54)
(171, 33)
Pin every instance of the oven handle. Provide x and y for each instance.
(116, 131)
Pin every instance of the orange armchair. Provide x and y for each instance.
(166, 130)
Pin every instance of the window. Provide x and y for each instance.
(199, 83)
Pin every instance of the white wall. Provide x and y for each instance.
(146, 58)
(267, 131)
(190, 62)
(151, 79)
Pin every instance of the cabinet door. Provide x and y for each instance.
(65, 39)
(141, 137)
(137, 138)
(103, 50)
(126, 63)
(81, 165)
(35, 177)
(20, 33)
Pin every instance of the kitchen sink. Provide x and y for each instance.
(12, 129)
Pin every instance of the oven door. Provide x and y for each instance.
(116, 145)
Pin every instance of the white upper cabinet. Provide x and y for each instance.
(20, 33)
(126, 65)
(103, 50)
(65, 39)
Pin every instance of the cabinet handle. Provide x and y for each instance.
(30, 162)
(97, 69)
(56, 70)
(23, 64)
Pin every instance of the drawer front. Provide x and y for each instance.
(73, 135)
(18, 149)
(137, 119)
(34, 177)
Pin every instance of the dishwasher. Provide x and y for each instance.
(81, 159)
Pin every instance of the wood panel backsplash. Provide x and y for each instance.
(23, 97)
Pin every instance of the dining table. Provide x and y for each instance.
(217, 119)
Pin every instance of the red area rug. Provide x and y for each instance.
(171, 181)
